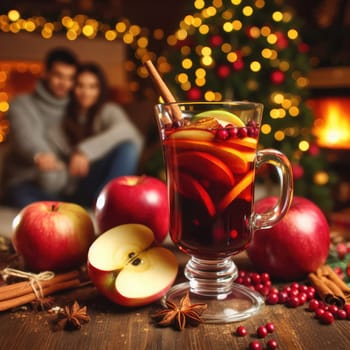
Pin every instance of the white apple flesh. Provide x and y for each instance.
(127, 269)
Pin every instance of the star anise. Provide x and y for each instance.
(180, 315)
(72, 317)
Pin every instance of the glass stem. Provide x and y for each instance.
(212, 278)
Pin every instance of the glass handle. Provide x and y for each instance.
(284, 171)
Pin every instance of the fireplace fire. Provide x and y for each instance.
(332, 122)
(332, 131)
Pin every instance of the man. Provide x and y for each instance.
(32, 162)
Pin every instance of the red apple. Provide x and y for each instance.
(53, 235)
(295, 246)
(127, 268)
(134, 199)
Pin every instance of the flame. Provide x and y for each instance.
(332, 123)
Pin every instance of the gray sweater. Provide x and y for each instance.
(36, 120)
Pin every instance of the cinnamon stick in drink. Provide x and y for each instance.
(164, 91)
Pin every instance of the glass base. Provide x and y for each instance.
(240, 304)
(212, 282)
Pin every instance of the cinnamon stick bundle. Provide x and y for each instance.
(330, 287)
(21, 293)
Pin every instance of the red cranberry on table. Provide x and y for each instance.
(241, 331)
(272, 344)
(341, 314)
(294, 292)
(270, 327)
(302, 298)
(333, 309)
(272, 299)
(293, 301)
(314, 304)
(255, 345)
(327, 317)
(347, 309)
(262, 332)
(319, 312)
(282, 297)
(255, 278)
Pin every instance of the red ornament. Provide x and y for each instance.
(298, 171)
(314, 150)
(282, 41)
(277, 77)
(194, 94)
(303, 48)
(216, 40)
(238, 65)
(224, 71)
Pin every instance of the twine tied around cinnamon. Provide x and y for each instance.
(34, 279)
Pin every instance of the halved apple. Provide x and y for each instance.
(236, 191)
(191, 188)
(192, 134)
(124, 265)
(205, 165)
(236, 160)
(222, 116)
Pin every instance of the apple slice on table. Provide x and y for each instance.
(124, 265)
(191, 188)
(222, 116)
(205, 165)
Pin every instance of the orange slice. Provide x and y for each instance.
(191, 188)
(236, 191)
(205, 165)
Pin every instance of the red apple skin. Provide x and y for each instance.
(134, 199)
(104, 281)
(295, 246)
(53, 236)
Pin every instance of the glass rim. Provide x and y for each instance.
(246, 104)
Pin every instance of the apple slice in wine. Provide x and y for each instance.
(124, 265)
(222, 116)
(192, 134)
(205, 165)
(191, 188)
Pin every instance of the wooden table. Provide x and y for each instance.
(114, 327)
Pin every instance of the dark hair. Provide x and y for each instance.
(75, 131)
(62, 55)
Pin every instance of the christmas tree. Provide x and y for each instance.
(252, 50)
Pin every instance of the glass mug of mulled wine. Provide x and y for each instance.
(210, 151)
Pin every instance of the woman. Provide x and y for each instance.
(94, 144)
(103, 143)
